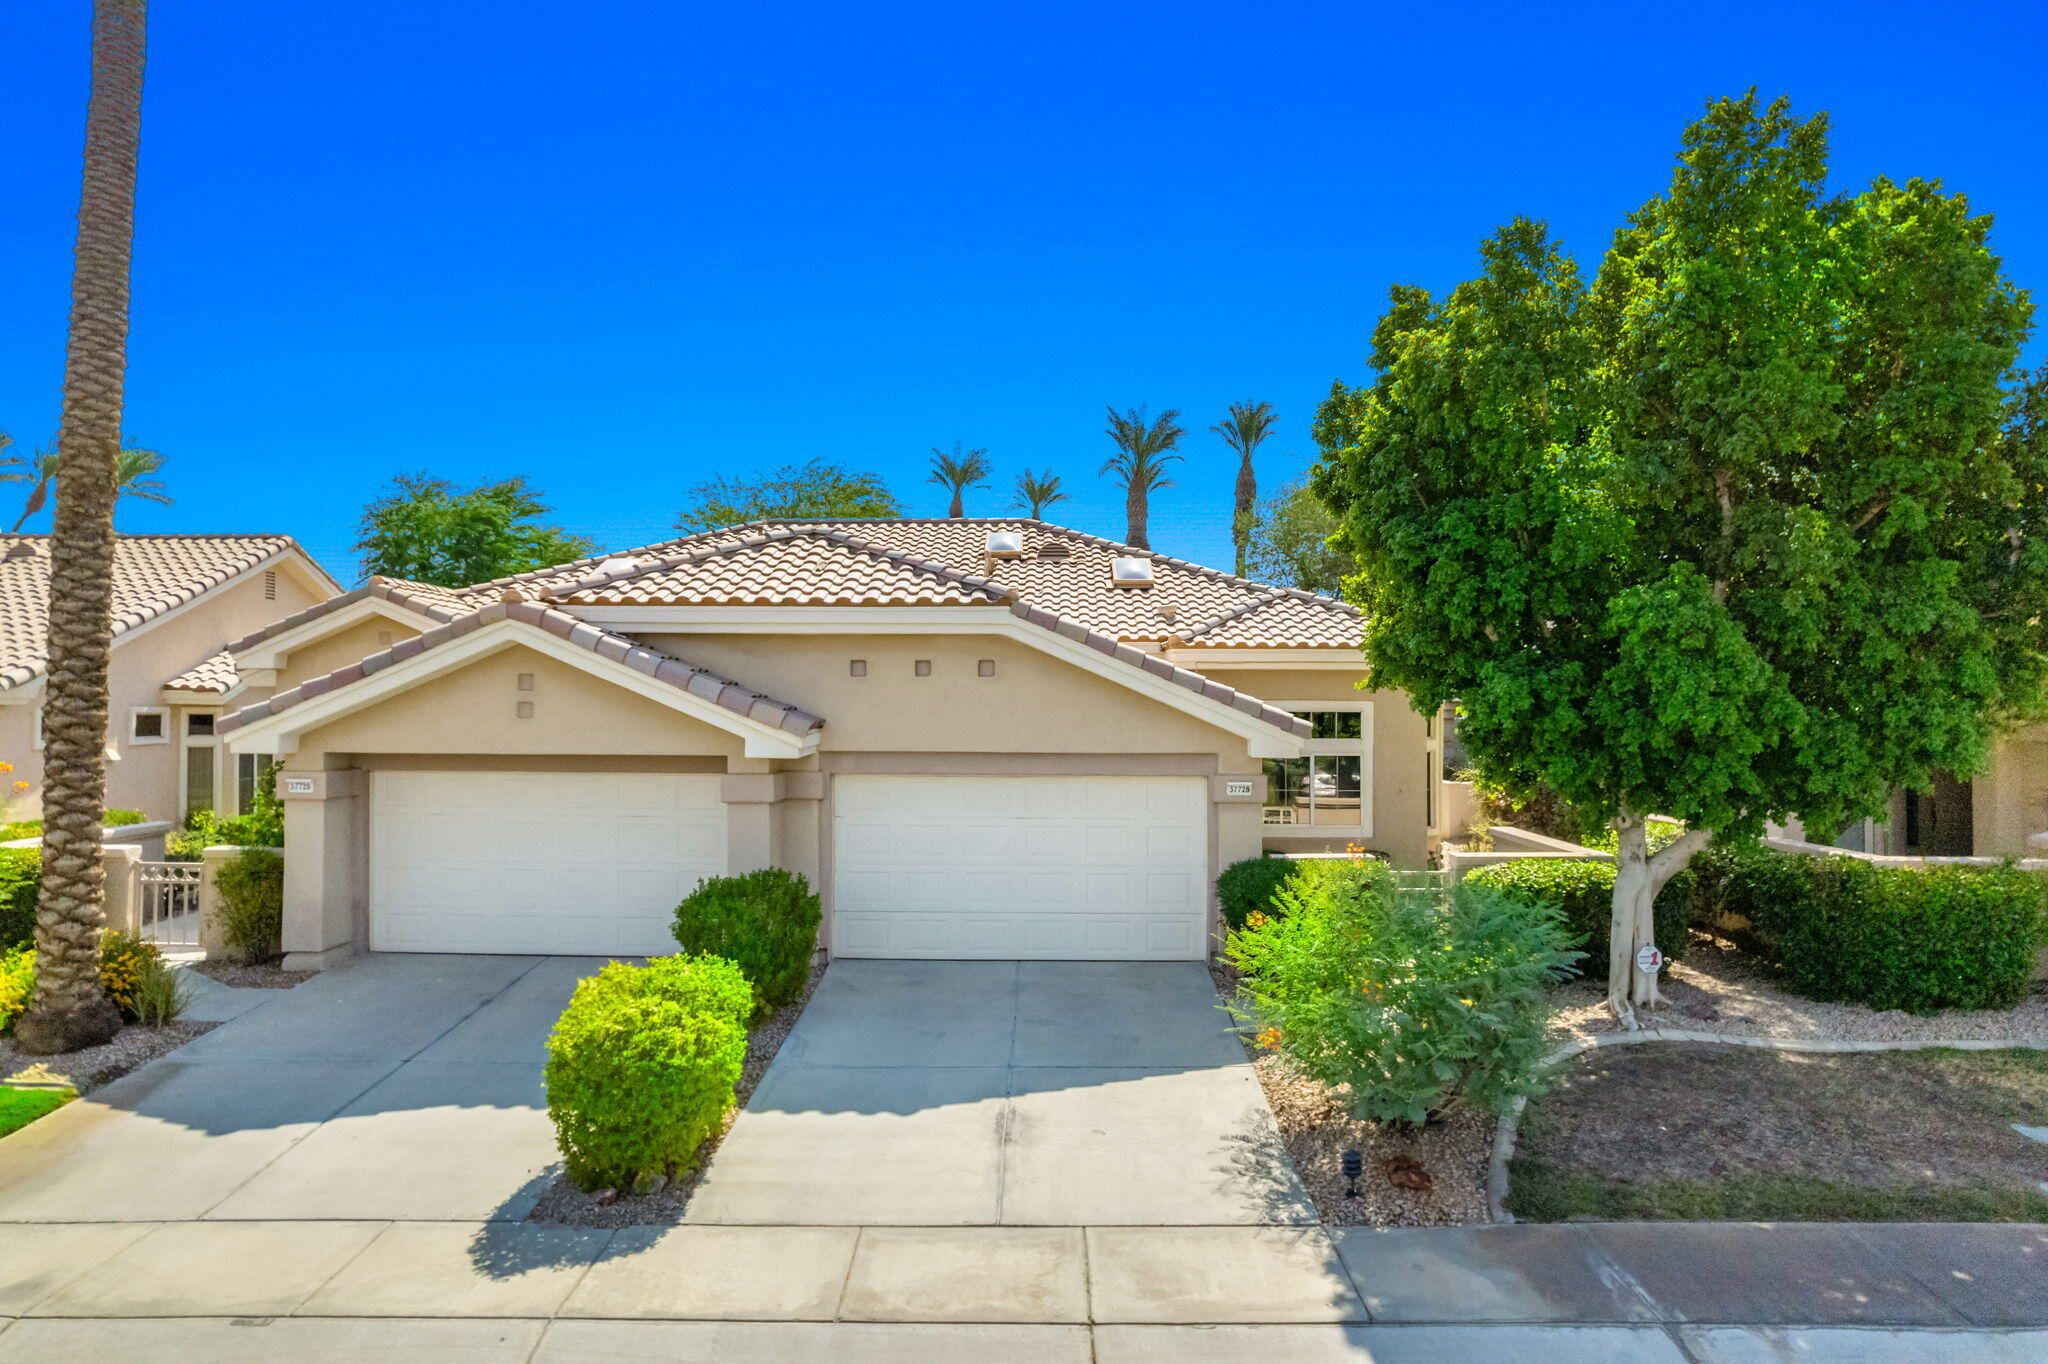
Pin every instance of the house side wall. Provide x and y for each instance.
(2009, 798)
(371, 635)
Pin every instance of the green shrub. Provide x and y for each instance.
(1418, 1006)
(250, 886)
(1583, 893)
(643, 1066)
(125, 961)
(21, 881)
(17, 984)
(159, 995)
(33, 828)
(1917, 939)
(766, 921)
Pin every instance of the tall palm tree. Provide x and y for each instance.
(132, 470)
(1244, 431)
(70, 1009)
(1036, 492)
(960, 471)
(1139, 464)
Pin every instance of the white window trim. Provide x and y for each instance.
(161, 712)
(1362, 747)
(186, 743)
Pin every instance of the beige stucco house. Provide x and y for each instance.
(977, 738)
(178, 601)
(2001, 812)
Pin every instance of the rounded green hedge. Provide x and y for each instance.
(1584, 892)
(1248, 887)
(766, 921)
(643, 1066)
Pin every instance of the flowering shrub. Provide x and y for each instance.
(1408, 1006)
(17, 984)
(124, 962)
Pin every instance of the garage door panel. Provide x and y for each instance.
(570, 863)
(1111, 868)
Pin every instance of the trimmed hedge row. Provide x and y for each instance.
(1917, 939)
(1583, 891)
(21, 874)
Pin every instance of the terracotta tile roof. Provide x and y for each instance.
(153, 575)
(1282, 620)
(1067, 572)
(436, 603)
(782, 567)
(660, 666)
(216, 673)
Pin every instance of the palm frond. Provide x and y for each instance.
(1142, 447)
(961, 470)
(1036, 492)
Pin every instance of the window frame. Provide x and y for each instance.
(1360, 748)
(163, 734)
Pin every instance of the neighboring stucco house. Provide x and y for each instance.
(977, 738)
(178, 601)
(2001, 812)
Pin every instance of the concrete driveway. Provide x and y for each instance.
(396, 1087)
(1006, 1093)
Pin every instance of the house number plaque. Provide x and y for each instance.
(298, 786)
(1237, 788)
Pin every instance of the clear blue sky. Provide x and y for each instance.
(619, 247)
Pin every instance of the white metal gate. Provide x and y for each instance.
(169, 908)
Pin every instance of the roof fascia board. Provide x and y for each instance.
(273, 652)
(280, 733)
(1263, 740)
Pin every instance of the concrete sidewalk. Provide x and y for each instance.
(1614, 1291)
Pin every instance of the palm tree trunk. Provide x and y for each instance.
(71, 1010)
(1241, 523)
(959, 508)
(1134, 516)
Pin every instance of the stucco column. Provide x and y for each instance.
(124, 896)
(1236, 808)
(324, 881)
(749, 819)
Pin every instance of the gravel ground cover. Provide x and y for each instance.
(262, 975)
(1708, 1132)
(88, 1069)
(1721, 988)
(566, 1204)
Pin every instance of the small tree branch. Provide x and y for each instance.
(1872, 509)
(1672, 858)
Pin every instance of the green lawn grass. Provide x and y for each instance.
(19, 1107)
(1541, 1193)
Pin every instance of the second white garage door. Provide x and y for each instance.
(1057, 868)
(554, 862)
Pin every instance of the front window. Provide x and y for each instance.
(1326, 787)
(248, 771)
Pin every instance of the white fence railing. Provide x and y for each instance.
(168, 903)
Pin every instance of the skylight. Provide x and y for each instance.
(1005, 542)
(1130, 571)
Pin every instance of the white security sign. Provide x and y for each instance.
(1650, 960)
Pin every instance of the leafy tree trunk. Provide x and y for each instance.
(1638, 877)
(1247, 501)
(71, 1010)
(1134, 517)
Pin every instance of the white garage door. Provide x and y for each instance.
(557, 862)
(1109, 868)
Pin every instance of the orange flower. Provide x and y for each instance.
(1270, 1039)
(20, 785)
(1257, 921)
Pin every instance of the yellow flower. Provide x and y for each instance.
(1257, 921)
(1270, 1039)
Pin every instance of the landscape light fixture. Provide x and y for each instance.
(1354, 1166)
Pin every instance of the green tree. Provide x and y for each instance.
(1139, 464)
(1245, 430)
(1290, 544)
(70, 1009)
(428, 530)
(957, 472)
(133, 468)
(1036, 492)
(815, 491)
(1747, 529)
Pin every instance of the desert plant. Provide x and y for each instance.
(250, 887)
(124, 961)
(1407, 1007)
(957, 472)
(766, 921)
(643, 1066)
(159, 995)
(1583, 893)
(1143, 450)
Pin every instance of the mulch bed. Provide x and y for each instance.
(262, 975)
(1692, 1130)
(1432, 1176)
(568, 1205)
(91, 1067)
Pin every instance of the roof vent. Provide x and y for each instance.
(625, 563)
(1055, 549)
(23, 549)
(1005, 544)
(1130, 571)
